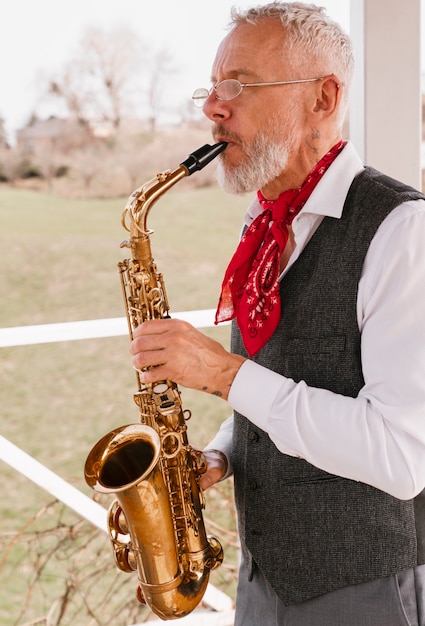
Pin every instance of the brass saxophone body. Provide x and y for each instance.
(155, 524)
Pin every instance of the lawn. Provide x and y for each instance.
(59, 259)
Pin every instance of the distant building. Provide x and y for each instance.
(52, 134)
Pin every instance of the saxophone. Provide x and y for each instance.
(155, 524)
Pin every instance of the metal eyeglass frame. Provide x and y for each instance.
(200, 95)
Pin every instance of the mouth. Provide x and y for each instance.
(230, 143)
(221, 134)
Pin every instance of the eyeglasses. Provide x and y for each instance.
(231, 88)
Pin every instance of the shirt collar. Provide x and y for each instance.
(329, 195)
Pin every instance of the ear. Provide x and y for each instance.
(328, 96)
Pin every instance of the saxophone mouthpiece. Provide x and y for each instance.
(202, 156)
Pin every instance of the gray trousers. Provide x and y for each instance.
(398, 600)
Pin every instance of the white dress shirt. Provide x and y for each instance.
(378, 437)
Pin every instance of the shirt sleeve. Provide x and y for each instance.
(223, 442)
(378, 437)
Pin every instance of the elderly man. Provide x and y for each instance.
(326, 374)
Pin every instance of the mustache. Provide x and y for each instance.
(223, 133)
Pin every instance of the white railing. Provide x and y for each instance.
(221, 611)
(88, 329)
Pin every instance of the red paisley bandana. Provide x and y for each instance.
(250, 290)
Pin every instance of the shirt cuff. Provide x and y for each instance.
(223, 443)
(253, 392)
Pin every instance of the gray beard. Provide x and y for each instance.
(265, 160)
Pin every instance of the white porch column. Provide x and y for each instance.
(385, 109)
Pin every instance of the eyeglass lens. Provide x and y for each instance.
(199, 96)
(225, 90)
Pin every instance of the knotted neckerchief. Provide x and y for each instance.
(250, 290)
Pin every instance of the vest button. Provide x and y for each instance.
(253, 485)
(253, 436)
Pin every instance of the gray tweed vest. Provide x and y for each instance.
(308, 531)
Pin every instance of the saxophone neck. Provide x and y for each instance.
(142, 199)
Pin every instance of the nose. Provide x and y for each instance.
(215, 109)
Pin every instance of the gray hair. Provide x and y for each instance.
(324, 45)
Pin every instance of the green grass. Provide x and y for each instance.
(59, 255)
(59, 260)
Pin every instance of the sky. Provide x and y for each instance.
(37, 37)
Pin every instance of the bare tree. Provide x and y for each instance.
(87, 164)
(161, 67)
(130, 150)
(3, 135)
(69, 89)
(48, 160)
(96, 84)
(10, 163)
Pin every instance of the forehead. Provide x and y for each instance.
(252, 50)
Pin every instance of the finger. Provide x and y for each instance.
(205, 482)
(150, 358)
(147, 343)
(150, 337)
(209, 478)
(155, 327)
(152, 375)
